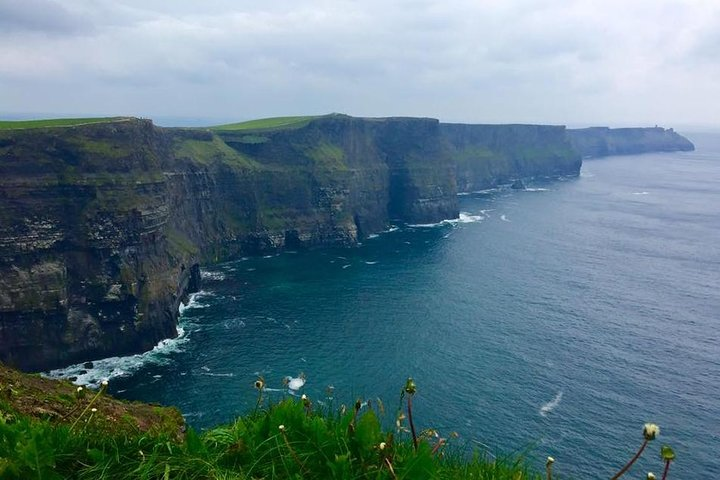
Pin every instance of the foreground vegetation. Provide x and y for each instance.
(54, 430)
(55, 122)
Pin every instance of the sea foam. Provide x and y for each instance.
(550, 406)
(113, 367)
(464, 217)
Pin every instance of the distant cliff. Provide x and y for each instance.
(103, 226)
(603, 141)
(489, 155)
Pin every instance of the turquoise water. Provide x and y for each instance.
(562, 317)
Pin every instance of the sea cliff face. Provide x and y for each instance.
(85, 265)
(603, 141)
(489, 155)
(103, 226)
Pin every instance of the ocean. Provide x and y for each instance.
(550, 321)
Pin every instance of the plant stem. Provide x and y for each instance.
(548, 468)
(87, 407)
(629, 464)
(410, 420)
(667, 467)
(390, 468)
(292, 452)
(259, 400)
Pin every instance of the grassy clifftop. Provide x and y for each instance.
(57, 122)
(274, 123)
(49, 431)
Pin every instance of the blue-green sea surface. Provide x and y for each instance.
(559, 318)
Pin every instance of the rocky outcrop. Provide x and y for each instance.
(103, 226)
(490, 155)
(603, 141)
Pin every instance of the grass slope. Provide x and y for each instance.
(47, 431)
(275, 123)
(56, 122)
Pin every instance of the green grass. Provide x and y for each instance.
(205, 152)
(275, 123)
(310, 444)
(48, 430)
(56, 122)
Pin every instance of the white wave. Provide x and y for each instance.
(537, 189)
(392, 228)
(466, 217)
(504, 218)
(346, 266)
(479, 192)
(295, 384)
(550, 406)
(641, 193)
(193, 301)
(427, 225)
(371, 263)
(208, 275)
(372, 235)
(114, 367)
(210, 374)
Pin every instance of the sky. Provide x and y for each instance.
(573, 62)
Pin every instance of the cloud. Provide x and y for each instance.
(45, 16)
(489, 60)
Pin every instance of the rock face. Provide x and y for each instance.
(603, 141)
(103, 226)
(489, 155)
(85, 266)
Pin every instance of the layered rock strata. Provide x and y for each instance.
(103, 226)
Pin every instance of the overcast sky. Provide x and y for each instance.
(576, 62)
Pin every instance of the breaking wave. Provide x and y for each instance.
(114, 367)
(464, 217)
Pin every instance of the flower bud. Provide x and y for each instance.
(667, 453)
(410, 387)
(650, 431)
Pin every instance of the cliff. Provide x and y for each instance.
(603, 141)
(103, 225)
(489, 155)
(86, 268)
